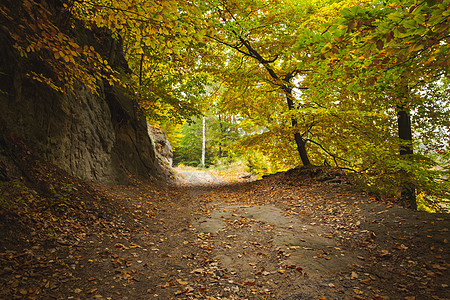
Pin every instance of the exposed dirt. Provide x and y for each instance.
(288, 236)
(188, 176)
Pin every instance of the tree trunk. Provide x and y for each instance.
(301, 148)
(299, 141)
(285, 86)
(141, 70)
(203, 141)
(408, 194)
(222, 135)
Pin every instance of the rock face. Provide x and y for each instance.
(100, 138)
(162, 146)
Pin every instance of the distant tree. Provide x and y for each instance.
(220, 137)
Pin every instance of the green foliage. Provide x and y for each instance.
(41, 36)
(160, 41)
(258, 164)
(61, 200)
(369, 60)
(14, 194)
(356, 63)
(190, 149)
(220, 138)
(334, 73)
(162, 46)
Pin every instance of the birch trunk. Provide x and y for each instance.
(203, 141)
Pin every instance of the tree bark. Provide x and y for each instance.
(408, 193)
(203, 141)
(299, 141)
(222, 135)
(141, 70)
(301, 148)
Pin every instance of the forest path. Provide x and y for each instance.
(288, 236)
(277, 239)
(196, 177)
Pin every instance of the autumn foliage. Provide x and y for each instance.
(360, 85)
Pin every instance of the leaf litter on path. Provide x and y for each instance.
(278, 238)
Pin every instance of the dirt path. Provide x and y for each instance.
(266, 240)
(196, 177)
(283, 237)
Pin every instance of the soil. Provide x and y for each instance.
(293, 235)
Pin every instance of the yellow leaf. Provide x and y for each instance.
(165, 285)
(182, 282)
(416, 47)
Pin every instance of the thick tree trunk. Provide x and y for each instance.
(408, 194)
(299, 141)
(301, 148)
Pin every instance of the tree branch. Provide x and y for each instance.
(335, 157)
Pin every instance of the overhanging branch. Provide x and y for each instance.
(335, 157)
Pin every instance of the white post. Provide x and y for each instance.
(203, 141)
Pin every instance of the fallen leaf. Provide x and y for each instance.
(440, 268)
(401, 247)
(119, 245)
(290, 266)
(249, 282)
(198, 271)
(181, 282)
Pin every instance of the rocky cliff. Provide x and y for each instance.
(98, 137)
(163, 149)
